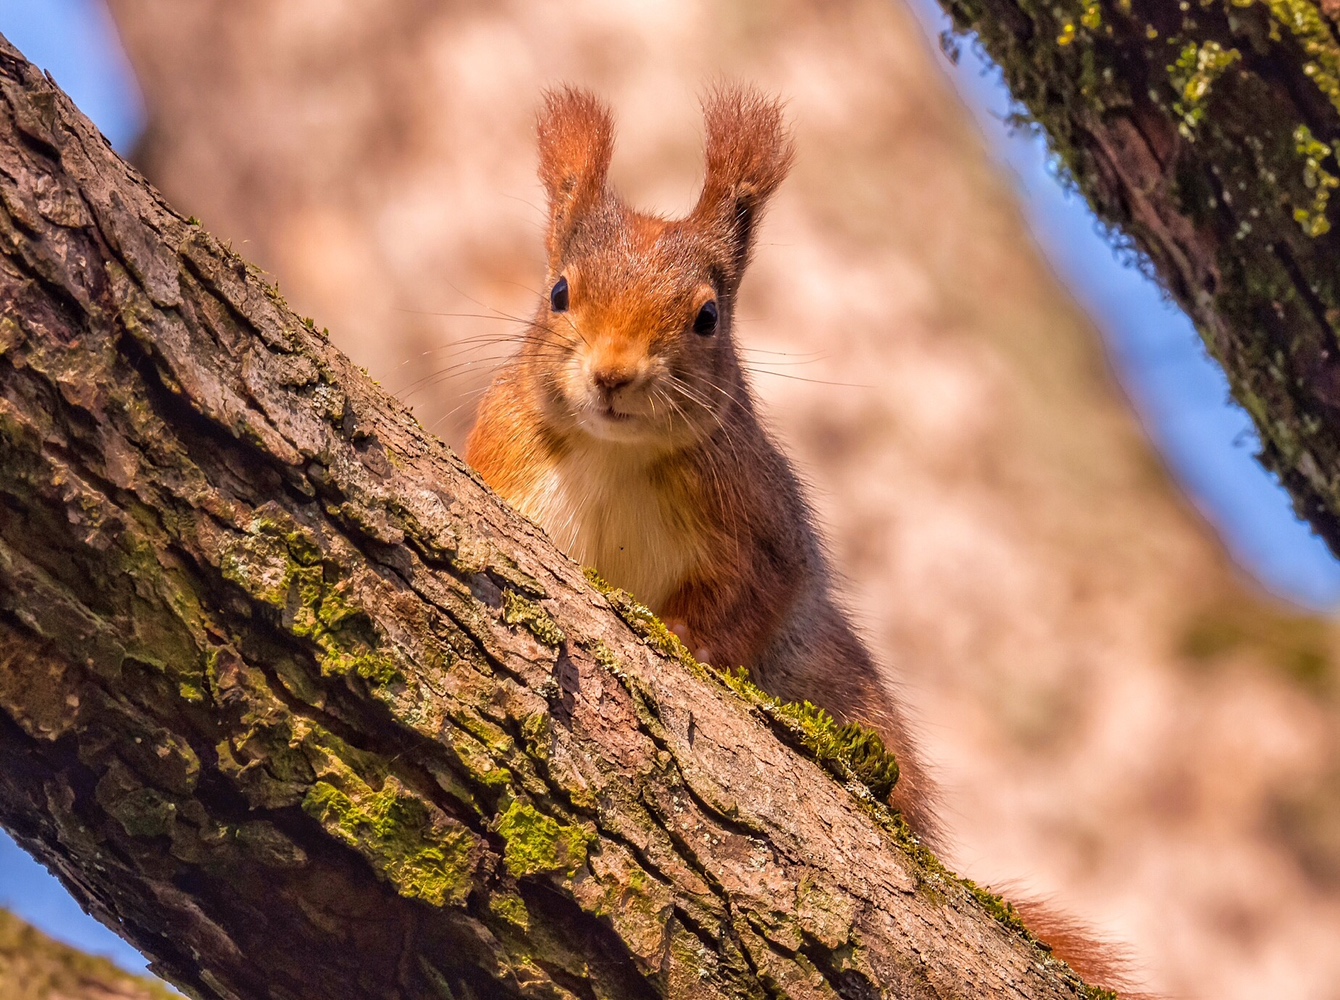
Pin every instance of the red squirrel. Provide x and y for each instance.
(625, 427)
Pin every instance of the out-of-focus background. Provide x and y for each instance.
(1117, 639)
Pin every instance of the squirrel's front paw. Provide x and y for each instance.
(701, 653)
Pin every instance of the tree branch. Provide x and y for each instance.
(293, 703)
(1205, 135)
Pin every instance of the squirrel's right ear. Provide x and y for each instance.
(576, 135)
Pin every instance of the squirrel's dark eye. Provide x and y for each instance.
(706, 322)
(558, 298)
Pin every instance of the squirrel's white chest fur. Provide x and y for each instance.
(601, 505)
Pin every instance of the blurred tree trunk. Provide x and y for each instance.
(34, 967)
(1206, 135)
(291, 702)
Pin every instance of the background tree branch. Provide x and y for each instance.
(1205, 134)
(290, 701)
(34, 967)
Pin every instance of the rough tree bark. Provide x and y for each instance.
(293, 703)
(1207, 133)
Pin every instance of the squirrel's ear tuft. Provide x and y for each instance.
(749, 152)
(576, 134)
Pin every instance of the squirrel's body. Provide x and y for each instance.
(626, 429)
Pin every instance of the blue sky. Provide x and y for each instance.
(75, 42)
(1181, 396)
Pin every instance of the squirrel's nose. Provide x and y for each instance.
(611, 380)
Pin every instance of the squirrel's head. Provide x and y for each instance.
(633, 339)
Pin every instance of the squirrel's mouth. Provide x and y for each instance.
(603, 421)
(604, 412)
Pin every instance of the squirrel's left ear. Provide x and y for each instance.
(576, 133)
(749, 152)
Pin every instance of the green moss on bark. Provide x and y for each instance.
(518, 610)
(642, 620)
(392, 829)
(849, 751)
(537, 844)
(280, 563)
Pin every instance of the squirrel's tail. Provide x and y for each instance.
(1099, 963)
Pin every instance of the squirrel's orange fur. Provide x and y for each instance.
(630, 435)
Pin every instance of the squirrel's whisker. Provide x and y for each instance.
(802, 378)
(496, 316)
